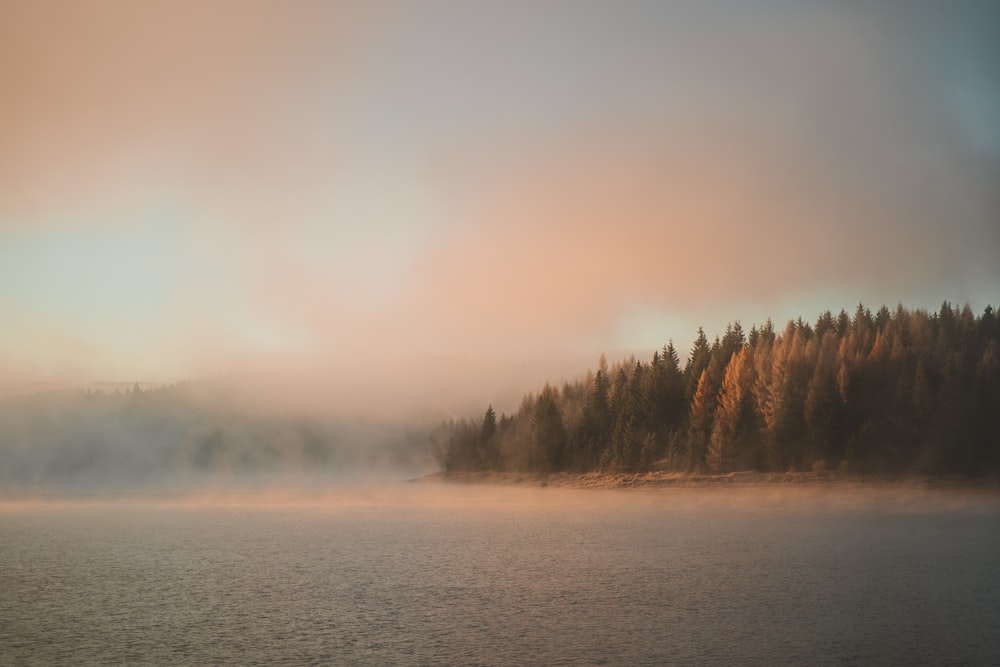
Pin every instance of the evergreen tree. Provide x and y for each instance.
(698, 359)
(489, 458)
(734, 424)
(702, 414)
(488, 428)
(898, 390)
(732, 342)
(548, 432)
(824, 323)
(823, 410)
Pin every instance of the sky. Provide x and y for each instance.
(435, 205)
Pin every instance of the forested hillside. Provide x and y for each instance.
(894, 391)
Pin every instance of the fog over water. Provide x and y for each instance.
(253, 253)
(177, 439)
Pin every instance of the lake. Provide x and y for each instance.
(429, 574)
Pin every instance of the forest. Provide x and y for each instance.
(895, 391)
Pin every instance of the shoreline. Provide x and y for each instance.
(741, 480)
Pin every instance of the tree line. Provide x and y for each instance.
(890, 391)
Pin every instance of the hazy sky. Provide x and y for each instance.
(440, 204)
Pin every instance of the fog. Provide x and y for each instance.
(312, 231)
(194, 436)
(396, 209)
(318, 492)
(213, 443)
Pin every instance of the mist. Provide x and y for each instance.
(426, 210)
(190, 438)
(301, 305)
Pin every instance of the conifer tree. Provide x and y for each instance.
(898, 390)
(548, 432)
(702, 413)
(698, 359)
(734, 423)
(489, 458)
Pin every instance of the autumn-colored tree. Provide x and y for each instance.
(735, 425)
(702, 415)
(897, 390)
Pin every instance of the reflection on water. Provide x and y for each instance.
(427, 574)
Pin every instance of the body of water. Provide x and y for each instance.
(423, 574)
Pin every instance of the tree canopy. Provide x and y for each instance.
(895, 391)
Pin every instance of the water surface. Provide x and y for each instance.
(429, 574)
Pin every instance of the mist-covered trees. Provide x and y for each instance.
(893, 391)
(77, 441)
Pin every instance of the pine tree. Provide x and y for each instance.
(734, 423)
(823, 410)
(698, 360)
(702, 414)
(489, 458)
(900, 390)
(548, 432)
(489, 426)
(824, 323)
(592, 432)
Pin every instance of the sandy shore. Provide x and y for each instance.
(661, 479)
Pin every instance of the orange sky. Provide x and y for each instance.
(444, 204)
